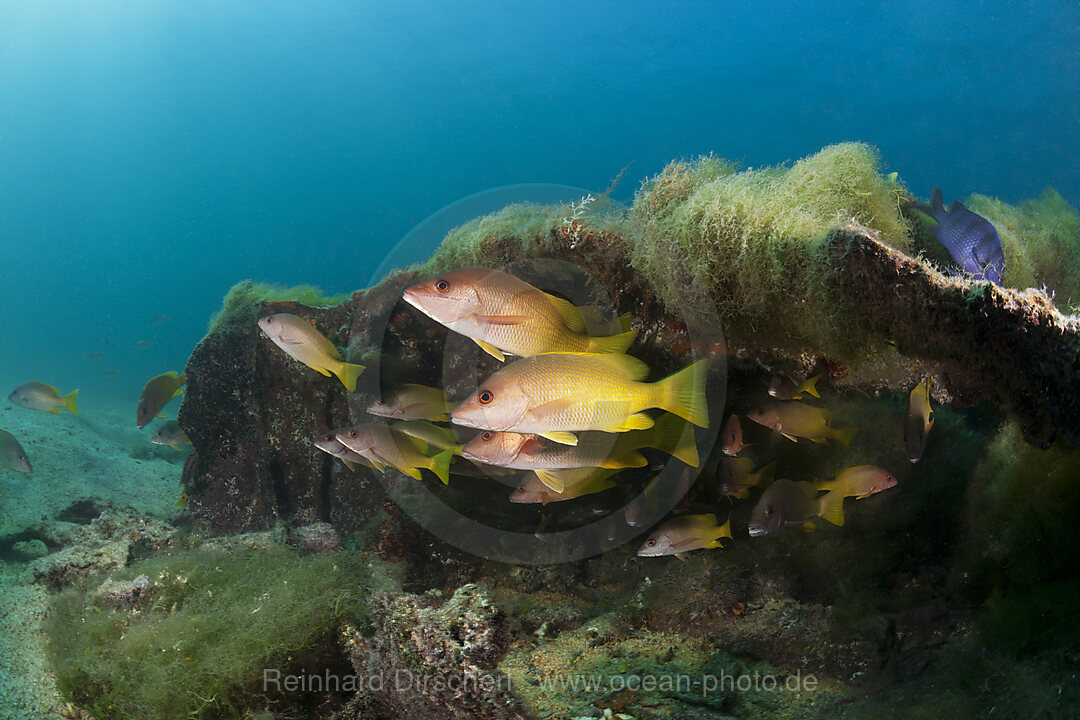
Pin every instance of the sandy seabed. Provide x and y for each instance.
(97, 455)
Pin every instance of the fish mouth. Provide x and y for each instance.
(412, 297)
(375, 409)
(473, 456)
(756, 530)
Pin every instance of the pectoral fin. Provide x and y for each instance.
(552, 480)
(491, 350)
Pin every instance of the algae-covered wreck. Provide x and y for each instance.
(946, 594)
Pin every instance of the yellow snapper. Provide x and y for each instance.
(413, 402)
(859, 482)
(156, 394)
(576, 483)
(329, 444)
(170, 433)
(735, 476)
(796, 420)
(12, 454)
(558, 394)
(917, 422)
(302, 342)
(686, 533)
(731, 437)
(439, 437)
(39, 396)
(385, 446)
(786, 504)
(504, 314)
(783, 388)
(527, 451)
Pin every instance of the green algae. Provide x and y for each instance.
(1021, 546)
(197, 644)
(241, 304)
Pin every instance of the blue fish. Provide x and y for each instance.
(970, 238)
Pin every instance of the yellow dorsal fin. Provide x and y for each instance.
(626, 366)
(561, 437)
(568, 312)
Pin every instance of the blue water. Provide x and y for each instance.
(154, 153)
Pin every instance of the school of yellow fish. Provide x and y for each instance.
(574, 410)
(571, 409)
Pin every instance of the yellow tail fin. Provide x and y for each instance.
(684, 394)
(347, 374)
(69, 401)
(724, 532)
(844, 435)
(612, 343)
(831, 507)
(440, 465)
(673, 435)
(810, 385)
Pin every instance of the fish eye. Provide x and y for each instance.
(769, 511)
(354, 434)
(652, 541)
(485, 397)
(328, 437)
(487, 435)
(521, 488)
(442, 286)
(731, 437)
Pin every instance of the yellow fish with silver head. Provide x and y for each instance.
(39, 396)
(575, 483)
(796, 420)
(686, 533)
(557, 394)
(506, 315)
(385, 446)
(413, 402)
(859, 482)
(527, 451)
(302, 342)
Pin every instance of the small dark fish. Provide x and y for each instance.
(735, 476)
(782, 387)
(786, 504)
(161, 320)
(144, 345)
(169, 433)
(731, 437)
(918, 421)
(970, 238)
(94, 356)
(112, 373)
(12, 454)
